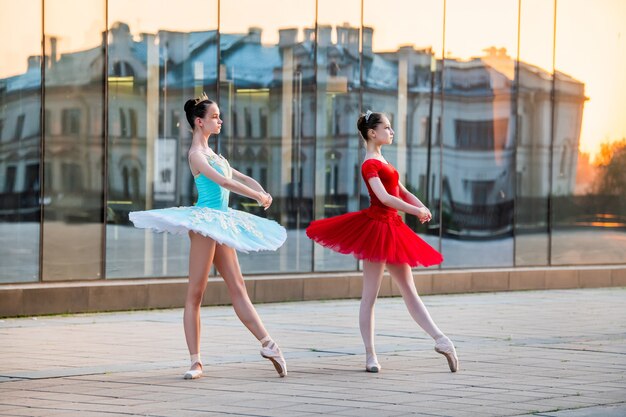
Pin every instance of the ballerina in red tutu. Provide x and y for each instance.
(379, 237)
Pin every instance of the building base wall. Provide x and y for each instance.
(115, 295)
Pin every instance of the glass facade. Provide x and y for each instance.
(402, 74)
(156, 61)
(337, 106)
(73, 141)
(477, 140)
(588, 208)
(533, 132)
(267, 96)
(507, 118)
(20, 143)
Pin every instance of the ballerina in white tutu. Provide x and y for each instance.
(216, 232)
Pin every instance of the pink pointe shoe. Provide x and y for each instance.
(445, 346)
(271, 351)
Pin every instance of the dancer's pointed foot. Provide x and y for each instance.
(271, 351)
(371, 364)
(195, 371)
(445, 346)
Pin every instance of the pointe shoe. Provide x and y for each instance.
(194, 373)
(444, 346)
(272, 352)
(372, 365)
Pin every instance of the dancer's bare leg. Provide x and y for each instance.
(372, 278)
(403, 277)
(200, 257)
(227, 265)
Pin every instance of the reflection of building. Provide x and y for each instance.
(480, 150)
(285, 121)
(19, 164)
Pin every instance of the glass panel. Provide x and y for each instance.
(73, 134)
(402, 42)
(20, 139)
(157, 61)
(337, 157)
(267, 99)
(534, 115)
(478, 133)
(589, 153)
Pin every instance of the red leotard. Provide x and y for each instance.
(377, 233)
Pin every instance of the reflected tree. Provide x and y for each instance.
(611, 162)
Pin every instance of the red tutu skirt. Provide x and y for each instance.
(375, 234)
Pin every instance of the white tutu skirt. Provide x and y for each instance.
(242, 231)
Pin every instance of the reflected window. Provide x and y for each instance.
(32, 177)
(263, 123)
(125, 183)
(72, 177)
(233, 125)
(438, 133)
(70, 121)
(248, 122)
(131, 181)
(19, 127)
(9, 180)
(161, 121)
(123, 125)
(122, 69)
(135, 183)
(481, 134)
(132, 115)
(480, 191)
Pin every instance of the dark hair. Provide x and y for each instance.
(193, 110)
(366, 122)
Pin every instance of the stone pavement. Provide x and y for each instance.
(546, 353)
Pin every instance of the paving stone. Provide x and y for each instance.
(521, 353)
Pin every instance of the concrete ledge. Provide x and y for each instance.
(594, 278)
(618, 277)
(562, 279)
(452, 282)
(136, 294)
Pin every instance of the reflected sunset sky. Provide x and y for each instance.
(590, 39)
